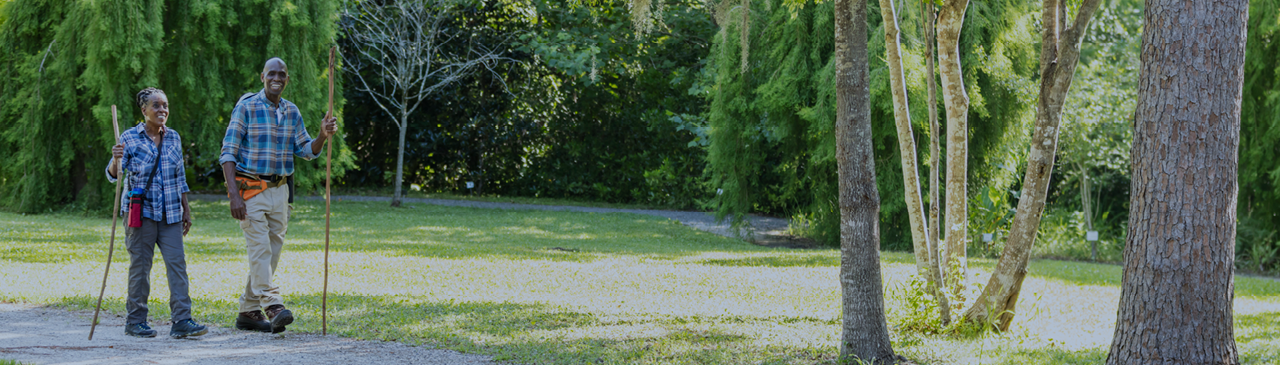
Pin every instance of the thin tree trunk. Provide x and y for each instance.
(404, 127)
(1087, 206)
(950, 20)
(866, 334)
(1177, 288)
(907, 147)
(1058, 56)
(935, 224)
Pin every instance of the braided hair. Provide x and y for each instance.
(145, 95)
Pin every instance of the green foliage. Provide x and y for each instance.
(772, 144)
(590, 110)
(1259, 199)
(55, 122)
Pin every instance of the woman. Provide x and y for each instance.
(166, 216)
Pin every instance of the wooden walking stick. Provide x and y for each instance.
(115, 213)
(328, 180)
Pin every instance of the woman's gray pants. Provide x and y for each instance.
(142, 243)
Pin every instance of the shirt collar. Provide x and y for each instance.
(262, 94)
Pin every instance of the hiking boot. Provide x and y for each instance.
(187, 327)
(139, 330)
(253, 321)
(280, 317)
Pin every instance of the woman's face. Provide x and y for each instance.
(156, 110)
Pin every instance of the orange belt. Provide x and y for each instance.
(250, 186)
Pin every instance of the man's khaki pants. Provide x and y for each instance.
(266, 221)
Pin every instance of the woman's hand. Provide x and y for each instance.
(117, 153)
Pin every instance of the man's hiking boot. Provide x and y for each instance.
(253, 321)
(139, 330)
(280, 317)
(187, 327)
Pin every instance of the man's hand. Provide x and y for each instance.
(238, 210)
(328, 126)
(186, 224)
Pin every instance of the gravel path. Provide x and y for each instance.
(42, 335)
(764, 231)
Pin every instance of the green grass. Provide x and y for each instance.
(387, 192)
(570, 288)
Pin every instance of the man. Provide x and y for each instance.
(265, 133)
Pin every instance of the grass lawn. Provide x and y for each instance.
(560, 287)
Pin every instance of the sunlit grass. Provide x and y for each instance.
(561, 287)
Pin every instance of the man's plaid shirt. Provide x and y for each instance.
(263, 137)
(164, 196)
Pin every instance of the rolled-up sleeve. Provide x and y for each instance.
(231, 144)
(301, 139)
(123, 162)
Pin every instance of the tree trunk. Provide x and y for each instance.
(1058, 56)
(866, 334)
(404, 127)
(907, 147)
(1176, 292)
(950, 20)
(1086, 204)
(934, 132)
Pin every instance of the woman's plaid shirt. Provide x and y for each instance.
(164, 196)
(262, 137)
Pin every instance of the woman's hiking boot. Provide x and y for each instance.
(280, 317)
(253, 321)
(139, 330)
(187, 327)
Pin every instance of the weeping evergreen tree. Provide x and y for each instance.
(66, 62)
(772, 147)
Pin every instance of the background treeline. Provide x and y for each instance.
(64, 63)
(676, 109)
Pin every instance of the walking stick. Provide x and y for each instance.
(328, 180)
(115, 212)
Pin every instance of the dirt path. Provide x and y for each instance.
(764, 231)
(42, 335)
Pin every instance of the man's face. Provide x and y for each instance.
(275, 76)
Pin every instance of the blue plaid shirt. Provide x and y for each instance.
(164, 196)
(263, 137)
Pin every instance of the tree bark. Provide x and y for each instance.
(907, 148)
(934, 132)
(950, 20)
(404, 127)
(1176, 292)
(1058, 56)
(866, 334)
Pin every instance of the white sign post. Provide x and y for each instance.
(1092, 237)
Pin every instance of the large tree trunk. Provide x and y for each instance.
(404, 127)
(1058, 56)
(950, 20)
(866, 335)
(1177, 288)
(907, 148)
(934, 132)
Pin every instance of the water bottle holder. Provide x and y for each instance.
(135, 209)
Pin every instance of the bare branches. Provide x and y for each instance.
(408, 45)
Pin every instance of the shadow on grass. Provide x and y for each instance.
(521, 333)
(1055, 356)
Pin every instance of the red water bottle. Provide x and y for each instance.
(135, 207)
